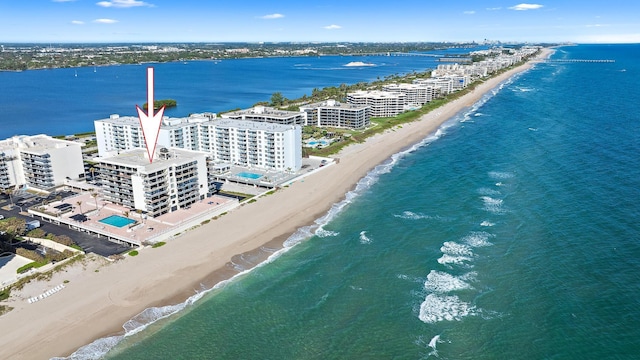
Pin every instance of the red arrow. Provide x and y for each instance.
(150, 123)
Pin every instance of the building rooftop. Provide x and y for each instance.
(34, 143)
(334, 104)
(163, 157)
(263, 110)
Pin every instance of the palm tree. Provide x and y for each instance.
(94, 195)
(126, 213)
(79, 203)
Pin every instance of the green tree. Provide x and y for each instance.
(277, 99)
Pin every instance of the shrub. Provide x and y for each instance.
(133, 252)
(64, 240)
(158, 244)
(36, 233)
(30, 254)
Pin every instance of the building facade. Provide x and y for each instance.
(332, 113)
(39, 162)
(174, 180)
(416, 94)
(381, 103)
(239, 142)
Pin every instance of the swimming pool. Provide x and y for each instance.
(249, 175)
(317, 142)
(117, 221)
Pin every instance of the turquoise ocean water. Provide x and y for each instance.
(511, 233)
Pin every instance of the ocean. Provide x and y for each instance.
(511, 233)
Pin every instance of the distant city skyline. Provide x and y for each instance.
(91, 21)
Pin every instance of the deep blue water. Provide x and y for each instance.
(67, 101)
(512, 233)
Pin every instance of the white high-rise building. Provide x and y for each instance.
(39, 161)
(174, 180)
(245, 143)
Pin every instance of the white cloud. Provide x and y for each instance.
(610, 38)
(63, 0)
(494, 8)
(597, 25)
(522, 7)
(77, 22)
(123, 3)
(272, 16)
(105, 21)
(333, 27)
(469, 12)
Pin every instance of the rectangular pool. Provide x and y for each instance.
(249, 175)
(117, 221)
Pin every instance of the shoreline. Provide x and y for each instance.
(201, 257)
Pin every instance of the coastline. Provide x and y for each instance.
(201, 257)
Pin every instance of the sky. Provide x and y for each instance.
(132, 21)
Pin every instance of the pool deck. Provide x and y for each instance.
(146, 230)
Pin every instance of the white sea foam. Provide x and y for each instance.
(409, 215)
(448, 260)
(456, 249)
(488, 191)
(493, 205)
(442, 282)
(487, 223)
(478, 239)
(500, 175)
(499, 184)
(436, 308)
(363, 238)
(322, 233)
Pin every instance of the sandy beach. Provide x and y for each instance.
(100, 297)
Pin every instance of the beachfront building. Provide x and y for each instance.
(174, 180)
(254, 144)
(381, 103)
(263, 145)
(39, 162)
(269, 115)
(332, 113)
(417, 94)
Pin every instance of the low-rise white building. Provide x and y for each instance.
(268, 114)
(332, 113)
(39, 161)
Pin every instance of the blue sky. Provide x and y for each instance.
(584, 21)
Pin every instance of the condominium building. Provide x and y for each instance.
(443, 85)
(174, 180)
(417, 94)
(268, 114)
(240, 142)
(39, 161)
(332, 113)
(382, 103)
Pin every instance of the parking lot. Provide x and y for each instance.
(89, 243)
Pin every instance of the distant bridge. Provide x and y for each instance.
(578, 61)
(392, 54)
